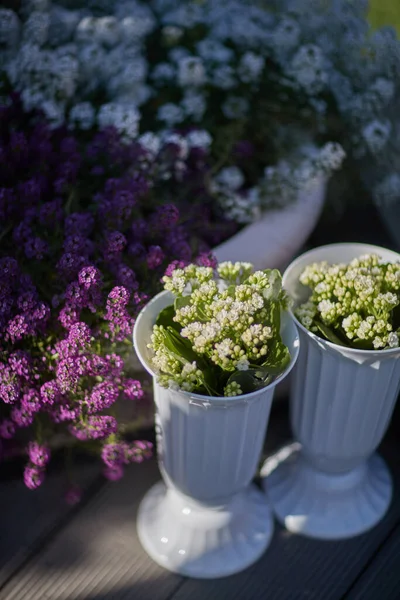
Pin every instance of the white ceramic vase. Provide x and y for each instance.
(206, 519)
(329, 484)
(278, 235)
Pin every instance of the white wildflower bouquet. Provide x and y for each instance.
(355, 304)
(221, 337)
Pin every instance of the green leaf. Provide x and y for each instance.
(328, 334)
(274, 314)
(250, 380)
(165, 318)
(181, 301)
(211, 379)
(277, 359)
(396, 317)
(230, 290)
(362, 344)
(179, 345)
(201, 312)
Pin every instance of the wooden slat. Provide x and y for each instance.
(98, 555)
(381, 579)
(28, 517)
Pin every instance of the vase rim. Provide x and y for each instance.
(294, 351)
(350, 245)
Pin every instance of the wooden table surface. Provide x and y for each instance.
(51, 551)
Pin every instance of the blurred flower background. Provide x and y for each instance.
(137, 137)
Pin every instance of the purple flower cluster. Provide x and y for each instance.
(91, 228)
(116, 455)
(34, 473)
(94, 428)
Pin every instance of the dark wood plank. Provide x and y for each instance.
(381, 579)
(297, 568)
(28, 517)
(98, 555)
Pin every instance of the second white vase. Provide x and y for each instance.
(329, 484)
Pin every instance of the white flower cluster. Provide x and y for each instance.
(280, 185)
(161, 164)
(356, 301)
(59, 59)
(127, 64)
(227, 321)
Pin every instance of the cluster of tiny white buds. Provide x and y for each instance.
(236, 272)
(357, 300)
(227, 318)
(256, 339)
(233, 389)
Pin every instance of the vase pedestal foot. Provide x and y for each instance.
(322, 505)
(195, 540)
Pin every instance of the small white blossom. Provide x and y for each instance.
(231, 178)
(107, 31)
(86, 30)
(308, 70)
(376, 135)
(179, 53)
(250, 67)
(384, 88)
(129, 80)
(163, 72)
(191, 71)
(235, 107)
(82, 116)
(54, 113)
(213, 51)
(235, 205)
(170, 114)
(286, 35)
(393, 340)
(10, 28)
(36, 28)
(124, 118)
(62, 25)
(179, 142)
(378, 343)
(331, 156)
(242, 364)
(194, 104)
(172, 34)
(91, 59)
(224, 77)
(150, 142)
(135, 28)
(199, 139)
